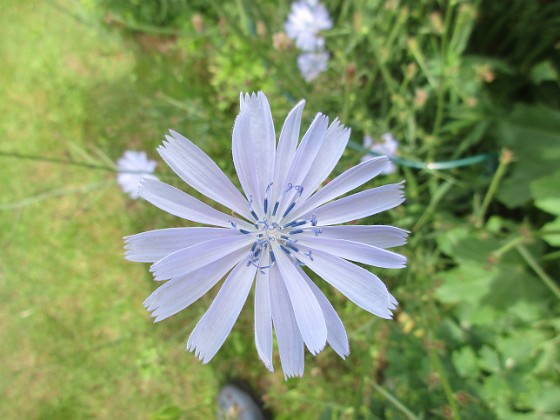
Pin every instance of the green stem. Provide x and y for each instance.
(436, 363)
(547, 280)
(505, 160)
(55, 193)
(438, 196)
(58, 160)
(508, 246)
(80, 164)
(551, 256)
(393, 400)
(434, 358)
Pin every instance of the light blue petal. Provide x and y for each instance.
(305, 155)
(308, 313)
(357, 284)
(214, 327)
(243, 156)
(354, 251)
(178, 293)
(362, 204)
(290, 343)
(263, 317)
(327, 157)
(336, 333)
(345, 182)
(187, 260)
(200, 172)
(154, 245)
(263, 139)
(381, 236)
(286, 151)
(180, 204)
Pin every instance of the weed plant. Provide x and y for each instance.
(469, 88)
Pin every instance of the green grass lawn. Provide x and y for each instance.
(75, 339)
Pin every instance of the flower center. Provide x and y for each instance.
(275, 230)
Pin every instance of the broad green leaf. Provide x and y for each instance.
(533, 134)
(552, 238)
(548, 400)
(467, 283)
(489, 359)
(465, 361)
(521, 346)
(546, 193)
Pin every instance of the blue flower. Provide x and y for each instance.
(284, 224)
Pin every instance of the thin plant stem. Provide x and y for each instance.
(58, 160)
(551, 256)
(442, 82)
(107, 168)
(509, 245)
(505, 159)
(55, 193)
(393, 400)
(438, 196)
(547, 280)
(436, 363)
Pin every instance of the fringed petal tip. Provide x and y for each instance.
(289, 375)
(198, 353)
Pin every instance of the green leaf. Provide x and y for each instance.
(489, 359)
(519, 347)
(548, 400)
(533, 134)
(543, 71)
(552, 238)
(468, 283)
(465, 361)
(545, 193)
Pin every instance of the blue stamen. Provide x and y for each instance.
(272, 257)
(295, 232)
(289, 245)
(266, 205)
(275, 208)
(244, 231)
(295, 223)
(286, 250)
(289, 209)
(254, 215)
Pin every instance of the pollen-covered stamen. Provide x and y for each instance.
(251, 208)
(299, 190)
(234, 225)
(266, 197)
(312, 220)
(291, 254)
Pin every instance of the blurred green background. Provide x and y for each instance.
(477, 330)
